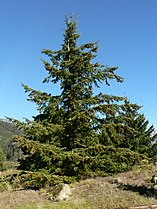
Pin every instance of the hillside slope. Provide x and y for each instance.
(7, 131)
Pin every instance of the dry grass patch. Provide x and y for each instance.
(99, 193)
(11, 200)
(113, 192)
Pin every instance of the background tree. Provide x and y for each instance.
(143, 139)
(76, 133)
(136, 133)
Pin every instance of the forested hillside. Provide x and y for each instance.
(7, 131)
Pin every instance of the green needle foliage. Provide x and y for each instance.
(135, 135)
(76, 134)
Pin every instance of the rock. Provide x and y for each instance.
(59, 192)
(64, 193)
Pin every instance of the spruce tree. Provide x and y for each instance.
(138, 136)
(69, 137)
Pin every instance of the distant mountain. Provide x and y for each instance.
(7, 131)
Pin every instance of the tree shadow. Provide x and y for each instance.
(142, 190)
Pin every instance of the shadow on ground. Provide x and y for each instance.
(142, 190)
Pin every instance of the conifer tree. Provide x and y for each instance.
(144, 137)
(69, 137)
(138, 137)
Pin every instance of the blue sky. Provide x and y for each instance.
(127, 35)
